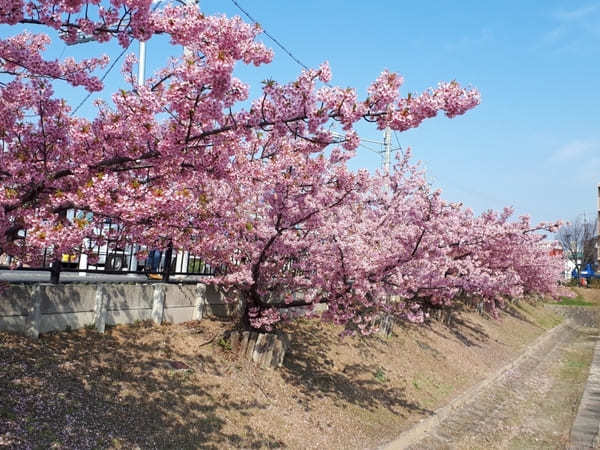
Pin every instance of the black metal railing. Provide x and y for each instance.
(116, 258)
(109, 251)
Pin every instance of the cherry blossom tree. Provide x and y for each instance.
(53, 161)
(398, 248)
(259, 187)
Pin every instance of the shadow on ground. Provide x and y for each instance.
(456, 324)
(67, 390)
(309, 367)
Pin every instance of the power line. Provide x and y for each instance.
(270, 36)
(114, 63)
(62, 52)
(397, 139)
(301, 64)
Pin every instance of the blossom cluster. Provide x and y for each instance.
(259, 188)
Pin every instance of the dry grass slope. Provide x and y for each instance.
(181, 387)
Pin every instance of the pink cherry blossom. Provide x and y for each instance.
(260, 188)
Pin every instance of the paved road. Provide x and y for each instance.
(530, 405)
(31, 276)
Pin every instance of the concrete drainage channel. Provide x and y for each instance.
(487, 415)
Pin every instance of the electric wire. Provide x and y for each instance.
(397, 139)
(379, 152)
(62, 52)
(270, 36)
(111, 67)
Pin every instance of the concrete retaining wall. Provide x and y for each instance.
(584, 316)
(39, 308)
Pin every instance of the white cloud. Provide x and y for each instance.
(575, 163)
(577, 13)
(556, 35)
(575, 151)
(574, 30)
(465, 43)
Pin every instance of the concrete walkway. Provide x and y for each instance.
(586, 428)
(526, 404)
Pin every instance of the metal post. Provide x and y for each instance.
(55, 271)
(83, 262)
(56, 263)
(186, 51)
(133, 262)
(387, 149)
(167, 267)
(142, 63)
(142, 58)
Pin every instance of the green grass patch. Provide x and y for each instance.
(380, 375)
(577, 301)
(548, 322)
(432, 392)
(575, 366)
(224, 344)
(541, 317)
(7, 414)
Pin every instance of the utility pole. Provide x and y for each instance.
(387, 149)
(142, 55)
(385, 153)
(186, 51)
(142, 58)
(598, 230)
(133, 262)
(142, 63)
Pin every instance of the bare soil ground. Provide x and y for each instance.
(178, 386)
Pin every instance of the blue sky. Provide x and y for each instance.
(533, 143)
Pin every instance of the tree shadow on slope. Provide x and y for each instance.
(308, 366)
(458, 325)
(512, 309)
(87, 390)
